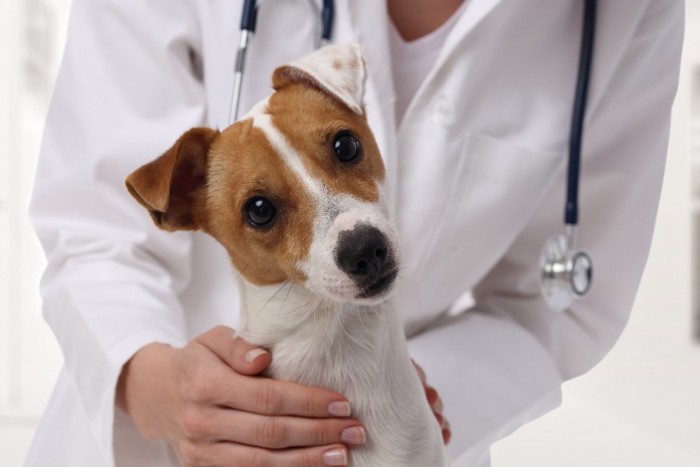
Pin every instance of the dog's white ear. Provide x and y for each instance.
(338, 70)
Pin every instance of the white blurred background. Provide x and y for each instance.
(640, 407)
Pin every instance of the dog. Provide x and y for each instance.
(293, 191)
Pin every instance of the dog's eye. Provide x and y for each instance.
(347, 147)
(260, 211)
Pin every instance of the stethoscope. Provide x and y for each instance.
(249, 17)
(566, 273)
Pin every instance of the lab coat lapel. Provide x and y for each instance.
(476, 11)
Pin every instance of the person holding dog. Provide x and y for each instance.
(470, 103)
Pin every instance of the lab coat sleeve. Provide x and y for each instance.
(511, 352)
(125, 91)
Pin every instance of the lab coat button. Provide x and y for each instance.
(443, 110)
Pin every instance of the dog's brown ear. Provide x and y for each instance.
(171, 187)
(338, 70)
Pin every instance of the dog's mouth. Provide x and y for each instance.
(379, 286)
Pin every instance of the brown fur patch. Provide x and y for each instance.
(244, 165)
(310, 119)
(171, 186)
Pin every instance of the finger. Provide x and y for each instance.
(446, 436)
(431, 394)
(335, 455)
(241, 356)
(277, 432)
(444, 428)
(248, 359)
(438, 406)
(270, 397)
(440, 419)
(237, 454)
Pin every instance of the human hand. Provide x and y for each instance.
(207, 400)
(435, 404)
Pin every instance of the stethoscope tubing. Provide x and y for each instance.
(327, 17)
(249, 18)
(579, 112)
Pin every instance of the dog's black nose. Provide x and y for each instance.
(361, 251)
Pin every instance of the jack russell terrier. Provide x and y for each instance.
(293, 191)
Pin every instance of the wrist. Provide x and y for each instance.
(145, 385)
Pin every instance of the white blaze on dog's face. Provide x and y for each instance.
(293, 190)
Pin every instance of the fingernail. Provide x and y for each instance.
(335, 457)
(339, 408)
(431, 394)
(438, 405)
(354, 435)
(252, 354)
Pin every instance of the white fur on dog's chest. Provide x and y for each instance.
(359, 353)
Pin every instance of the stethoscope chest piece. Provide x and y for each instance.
(566, 274)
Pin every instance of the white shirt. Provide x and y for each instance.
(412, 60)
(475, 179)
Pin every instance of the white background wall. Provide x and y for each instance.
(640, 407)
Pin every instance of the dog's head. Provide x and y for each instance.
(292, 190)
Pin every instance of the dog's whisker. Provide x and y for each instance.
(286, 297)
(272, 297)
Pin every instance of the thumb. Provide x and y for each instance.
(241, 356)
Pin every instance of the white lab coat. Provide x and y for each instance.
(476, 177)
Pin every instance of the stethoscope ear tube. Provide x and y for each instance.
(249, 18)
(327, 19)
(249, 15)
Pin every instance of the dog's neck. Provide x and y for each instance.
(310, 336)
(357, 351)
